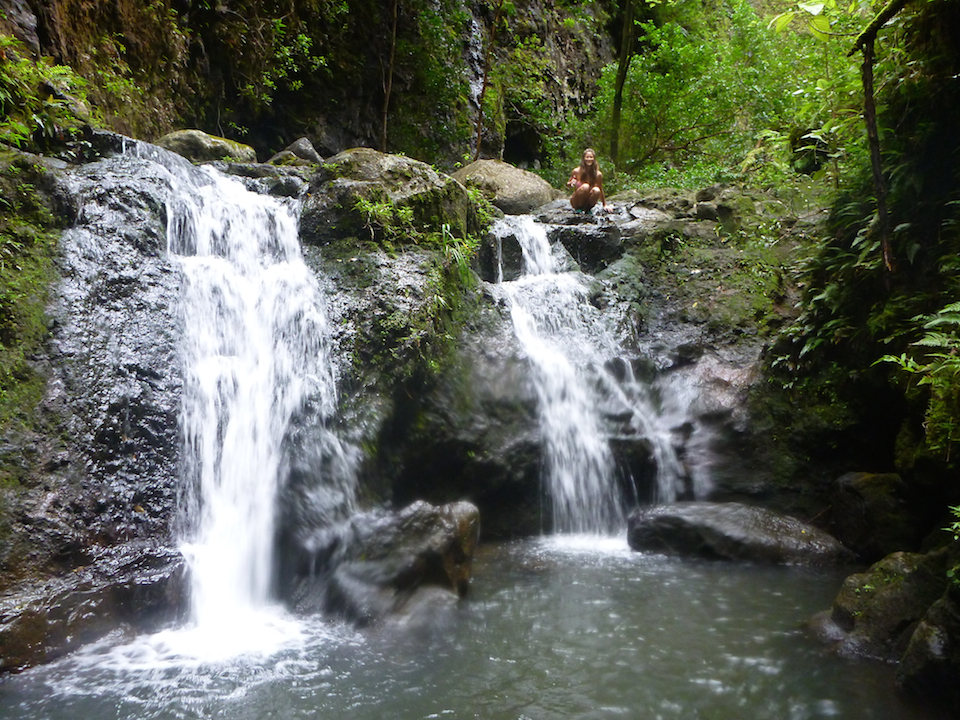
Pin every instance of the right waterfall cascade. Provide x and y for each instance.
(586, 383)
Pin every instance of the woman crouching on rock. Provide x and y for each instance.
(587, 180)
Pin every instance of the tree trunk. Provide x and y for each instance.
(486, 73)
(865, 44)
(873, 140)
(388, 78)
(626, 54)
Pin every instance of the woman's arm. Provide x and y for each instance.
(574, 180)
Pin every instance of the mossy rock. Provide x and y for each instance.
(197, 146)
(368, 194)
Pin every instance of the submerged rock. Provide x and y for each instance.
(731, 531)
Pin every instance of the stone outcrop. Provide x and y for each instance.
(139, 589)
(930, 666)
(514, 191)
(876, 611)
(903, 609)
(365, 194)
(731, 531)
(198, 146)
(381, 566)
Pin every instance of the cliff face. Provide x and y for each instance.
(406, 77)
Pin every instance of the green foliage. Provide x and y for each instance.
(935, 359)
(386, 220)
(954, 529)
(39, 102)
(852, 307)
(28, 237)
(705, 89)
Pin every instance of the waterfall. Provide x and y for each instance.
(255, 355)
(557, 331)
(570, 345)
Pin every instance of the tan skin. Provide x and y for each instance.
(587, 193)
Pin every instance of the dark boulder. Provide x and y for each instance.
(384, 564)
(930, 666)
(873, 516)
(731, 531)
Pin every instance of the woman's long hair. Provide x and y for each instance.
(588, 174)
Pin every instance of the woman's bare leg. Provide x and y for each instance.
(585, 197)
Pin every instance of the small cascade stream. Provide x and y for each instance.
(568, 626)
(571, 348)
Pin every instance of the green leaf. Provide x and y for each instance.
(820, 27)
(812, 8)
(780, 22)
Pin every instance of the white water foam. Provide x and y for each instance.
(570, 345)
(255, 353)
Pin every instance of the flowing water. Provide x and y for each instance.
(555, 628)
(570, 346)
(254, 353)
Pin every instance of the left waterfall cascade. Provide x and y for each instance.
(255, 356)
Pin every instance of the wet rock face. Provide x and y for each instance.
(101, 462)
(115, 377)
(139, 589)
(731, 531)
(381, 566)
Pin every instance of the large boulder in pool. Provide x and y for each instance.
(731, 531)
(387, 565)
(876, 611)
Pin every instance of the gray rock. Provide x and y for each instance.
(391, 182)
(21, 19)
(300, 152)
(198, 146)
(514, 191)
(731, 531)
(873, 515)
(875, 613)
(378, 565)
